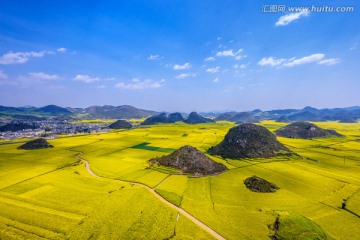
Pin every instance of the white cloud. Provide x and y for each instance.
(86, 78)
(182, 67)
(216, 80)
(308, 59)
(43, 76)
(3, 75)
(185, 75)
(61, 49)
(137, 84)
(240, 87)
(213, 70)
(288, 18)
(154, 57)
(231, 53)
(241, 66)
(101, 86)
(20, 57)
(226, 53)
(271, 61)
(291, 62)
(329, 62)
(209, 59)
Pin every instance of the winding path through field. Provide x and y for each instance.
(180, 210)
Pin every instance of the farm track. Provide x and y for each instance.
(152, 190)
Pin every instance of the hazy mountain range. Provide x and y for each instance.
(93, 112)
(348, 114)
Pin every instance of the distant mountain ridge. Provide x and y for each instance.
(113, 112)
(348, 114)
(193, 118)
(93, 112)
(53, 110)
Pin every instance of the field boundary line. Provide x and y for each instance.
(345, 205)
(42, 209)
(351, 212)
(180, 210)
(162, 181)
(54, 170)
(35, 230)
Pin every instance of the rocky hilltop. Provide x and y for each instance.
(190, 160)
(120, 124)
(162, 118)
(257, 184)
(195, 118)
(305, 130)
(159, 118)
(175, 117)
(249, 141)
(36, 144)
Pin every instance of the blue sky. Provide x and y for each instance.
(179, 55)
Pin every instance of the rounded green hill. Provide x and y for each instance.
(249, 141)
(190, 160)
(120, 124)
(39, 143)
(305, 130)
(257, 184)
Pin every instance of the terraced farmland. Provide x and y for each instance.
(49, 194)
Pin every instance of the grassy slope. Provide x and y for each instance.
(313, 187)
(292, 226)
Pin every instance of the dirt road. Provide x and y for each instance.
(180, 210)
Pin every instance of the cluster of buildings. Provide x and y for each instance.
(51, 129)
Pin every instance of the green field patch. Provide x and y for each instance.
(170, 196)
(297, 227)
(145, 146)
(173, 188)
